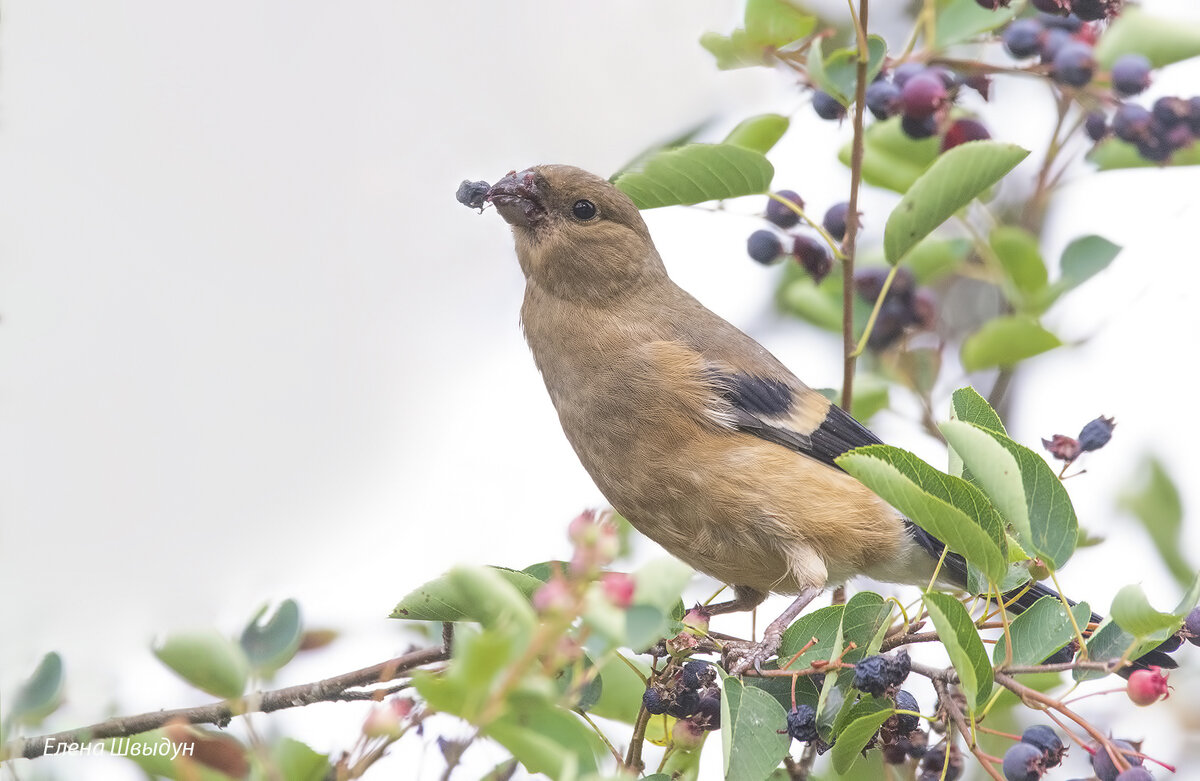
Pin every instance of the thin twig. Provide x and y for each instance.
(333, 689)
(849, 245)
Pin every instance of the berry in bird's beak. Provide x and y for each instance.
(517, 199)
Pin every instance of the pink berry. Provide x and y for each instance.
(1147, 687)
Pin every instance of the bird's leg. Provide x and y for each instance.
(774, 633)
(744, 598)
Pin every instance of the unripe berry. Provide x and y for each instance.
(618, 587)
(1147, 687)
(687, 736)
(963, 130)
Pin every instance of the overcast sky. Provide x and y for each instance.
(251, 347)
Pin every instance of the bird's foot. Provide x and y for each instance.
(772, 636)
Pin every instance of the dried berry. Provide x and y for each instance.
(802, 723)
(906, 722)
(813, 255)
(472, 194)
(655, 701)
(1062, 447)
(697, 674)
(685, 704)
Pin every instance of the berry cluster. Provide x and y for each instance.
(690, 693)
(881, 675)
(905, 304)
(1093, 436)
(812, 253)
(1169, 125)
(900, 738)
(922, 96)
(1064, 43)
(1039, 748)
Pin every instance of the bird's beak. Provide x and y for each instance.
(517, 199)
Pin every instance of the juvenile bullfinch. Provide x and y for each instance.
(690, 428)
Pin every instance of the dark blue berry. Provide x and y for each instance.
(1054, 8)
(1073, 64)
(1169, 111)
(905, 722)
(473, 194)
(1096, 434)
(1023, 762)
(802, 723)
(835, 220)
(871, 675)
(1135, 773)
(708, 712)
(1047, 741)
(813, 255)
(1192, 625)
(654, 701)
(1094, 10)
(1059, 19)
(764, 246)
(1194, 115)
(1096, 125)
(1131, 74)
(1052, 42)
(827, 106)
(1022, 38)
(897, 666)
(782, 215)
(696, 674)
(1154, 148)
(883, 99)
(1103, 765)
(685, 704)
(922, 95)
(1131, 123)
(918, 128)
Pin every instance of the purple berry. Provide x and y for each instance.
(963, 130)
(1131, 123)
(1023, 762)
(1103, 765)
(1192, 625)
(1095, 10)
(1096, 433)
(922, 95)
(883, 99)
(906, 71)
(1047, 741)
(1074, 64)
(1178, 137)
(1022, 38)
(764, 246)
(1131, 74)
(827, 106)
(1194, 115)
(1170, 112)
(917, 129)
(1096, 125)
(813, 255)
(868, 282)
(1060, 21)
(708, 712)
(782, 215)
(1052, 42)
(685, 704)
(1135, 773)
(1154, 148)
(835, 220)
(802, 723)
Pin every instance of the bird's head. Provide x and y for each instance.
(576, 234)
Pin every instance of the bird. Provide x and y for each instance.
(692, 430)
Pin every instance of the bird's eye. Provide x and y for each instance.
(584, 210)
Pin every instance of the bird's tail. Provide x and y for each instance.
(1022, 599)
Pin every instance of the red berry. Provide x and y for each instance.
(963, 130)
(1147, 687)
(923, 94)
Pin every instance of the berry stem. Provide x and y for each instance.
(850, 241)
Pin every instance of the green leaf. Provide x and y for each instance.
(968, 406)
(864, 615)
(1017, 250)
(1154, 500)
(814, 303)
(955, 179)
(961, 20)
(1006, 341)
(621, 695)
(270, 641)
(442, 599)
(658, 583)
(777, 23)
(41, 693)
(296, 761)
(1083, 259)
(1162, 40)
(949, 508)
(750, 741)
(1107, 643)
(735, 50)
(891, 159)
(854, 738)
(934, 258)
(1023, 488)
(1113, 154)
(543, 571)
(839, 73)
(546, 739)
(871, 394)
(1134, 613)
(696, 173)
(1040, 631)
(758, 133)
(206, 659)
(586, 696)
(960, 637)
(823, 624)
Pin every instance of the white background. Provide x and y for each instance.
(251, 347)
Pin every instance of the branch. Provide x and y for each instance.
(333, 689)
(851, 239)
